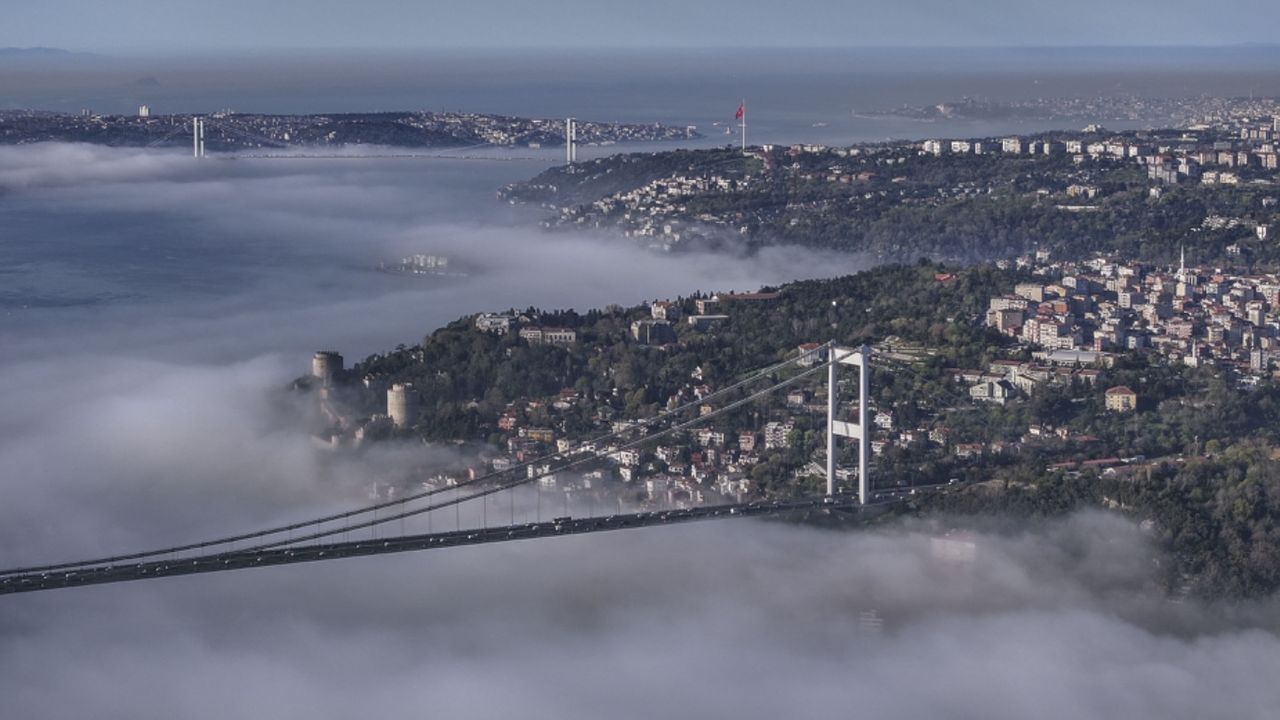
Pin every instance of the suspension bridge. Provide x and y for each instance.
(278, 149)
(317, 539)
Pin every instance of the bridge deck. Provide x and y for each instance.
(220, 562)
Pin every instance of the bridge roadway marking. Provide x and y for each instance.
(101, 574)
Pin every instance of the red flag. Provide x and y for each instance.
(742, 110)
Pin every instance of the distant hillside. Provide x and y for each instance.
(36, 52)
(895, 202)
(42, 55)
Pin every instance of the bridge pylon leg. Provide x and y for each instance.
(833, 401)
(861, 430)
(864, 423)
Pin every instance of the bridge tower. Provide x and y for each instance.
(861, 430)
(570, 141)
(197, 137)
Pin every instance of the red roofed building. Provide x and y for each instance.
(1121, 399)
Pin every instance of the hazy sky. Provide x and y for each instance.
(400, 24)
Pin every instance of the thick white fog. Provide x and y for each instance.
(742, 619)
(154, 306)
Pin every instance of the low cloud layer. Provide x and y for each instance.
(741, 618)
(154, 307)
(149, 252)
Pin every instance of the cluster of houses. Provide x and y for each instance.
(653, 211)
(1211, 155)
(526, 327)
(1187, 314)
(657, 212)
(705, 464)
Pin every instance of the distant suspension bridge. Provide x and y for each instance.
(279, 149)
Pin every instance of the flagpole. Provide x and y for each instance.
(744, 125)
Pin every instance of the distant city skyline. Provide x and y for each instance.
(153, 25)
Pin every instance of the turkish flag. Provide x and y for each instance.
(742, 110)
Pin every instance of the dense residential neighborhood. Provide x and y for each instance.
(1190, 315)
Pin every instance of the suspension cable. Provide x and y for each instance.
(267, 532)
(523, 481)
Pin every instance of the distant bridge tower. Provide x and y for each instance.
(197, 137)
(570, 141)
(861, 431)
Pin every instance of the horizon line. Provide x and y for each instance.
(123, 52)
